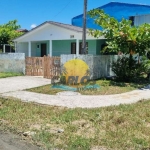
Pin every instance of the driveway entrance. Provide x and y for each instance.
(21, 83)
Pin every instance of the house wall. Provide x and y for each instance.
(12, 62)
(91, 47)
(61, 47)
(141, 19)
(64, 47)
(35, 51)
(116, 10)
(99, 44)
(22, 48)
(51, 32)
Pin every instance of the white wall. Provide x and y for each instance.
(141, 19)
(12, 62)
(51, 32)
(22, 48)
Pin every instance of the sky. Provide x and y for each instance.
(31, 13)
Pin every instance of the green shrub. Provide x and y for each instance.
(129, 70)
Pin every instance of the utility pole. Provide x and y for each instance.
(84, 28)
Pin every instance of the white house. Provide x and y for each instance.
(54, 39)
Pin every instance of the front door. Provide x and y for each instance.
(43, 49)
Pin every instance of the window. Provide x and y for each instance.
(80, 48)
(132, 19)
(73, 48)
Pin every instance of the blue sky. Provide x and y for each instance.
(35, 12)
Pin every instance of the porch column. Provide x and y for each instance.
(29, 49)
(4, 48)
(50, 47)
(77, 47)
(15, 46)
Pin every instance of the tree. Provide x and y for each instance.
(8, 32)
(121, 36)
(125, 38)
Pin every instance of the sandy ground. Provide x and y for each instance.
(21, 83)
(9, 141)
(82, 101)
(15, 87)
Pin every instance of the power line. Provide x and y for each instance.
(63, 8)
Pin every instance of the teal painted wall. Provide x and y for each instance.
(91, 47)
(99, 43)
(35, 51)
(64, 47)
(61, 47)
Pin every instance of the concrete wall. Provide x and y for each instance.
(12, 62)
(100, 66)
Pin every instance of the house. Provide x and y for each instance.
(22, 30)
(138, 13)
(6, 48)
(54, 39)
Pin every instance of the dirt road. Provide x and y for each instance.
(9, 141)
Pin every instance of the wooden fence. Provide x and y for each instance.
(34, 66)
(51, 67)
(43, 66)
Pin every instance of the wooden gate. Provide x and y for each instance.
(34, 66)
(51, 67)
(46, 66)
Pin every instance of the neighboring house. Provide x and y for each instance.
(6, 48)
(54, 39)
(138, 13)
(22, 30)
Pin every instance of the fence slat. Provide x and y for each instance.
(43, 66)
(34, 66)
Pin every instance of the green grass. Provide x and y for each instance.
(123, 127)
(107, 87)
(9, 74)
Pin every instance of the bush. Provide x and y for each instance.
(129, 70)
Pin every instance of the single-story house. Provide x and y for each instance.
(54, 39)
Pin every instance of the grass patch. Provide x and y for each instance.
(107, 87)
(120, 127)
(9, 74)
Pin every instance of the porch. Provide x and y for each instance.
(58, 47)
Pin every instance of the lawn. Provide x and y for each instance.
(9, 74)
(107, 87)
(123, 127)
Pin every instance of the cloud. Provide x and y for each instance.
(33, 26)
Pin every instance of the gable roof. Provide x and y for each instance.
(62, 25)
(118, 10)
(67, 26)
